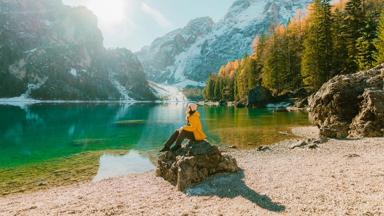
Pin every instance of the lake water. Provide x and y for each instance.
(45, 138)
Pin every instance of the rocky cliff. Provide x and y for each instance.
(202, 47)
(52, 51)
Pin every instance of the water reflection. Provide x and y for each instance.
(43, 132)
(120, 165)
(47, 131)
(248, 128)
(162, 121)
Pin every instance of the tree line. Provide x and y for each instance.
(328, 40)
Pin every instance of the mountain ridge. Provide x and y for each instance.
(229, 39)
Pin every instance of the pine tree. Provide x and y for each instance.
(295, 34)
(354, 24)
(341, 63)
(276, 67)
(217, 89)
(317, 54)
(379, 42)
(365, 44)
(209, 88)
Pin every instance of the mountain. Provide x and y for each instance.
(174, 58)
(161, 55)
(52, 51)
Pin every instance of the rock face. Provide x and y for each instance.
(193, 163)
(52, 51)
(370, 120)
(350, 105)
(177, 56)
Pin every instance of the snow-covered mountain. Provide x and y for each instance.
(55, 52)
(192, 53)
(161, 55)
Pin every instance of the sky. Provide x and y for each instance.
(135, 23)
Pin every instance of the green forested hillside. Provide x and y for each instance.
(324, 41)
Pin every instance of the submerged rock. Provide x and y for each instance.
(129, 122)
(193, 163)
(84, 142)
(350, 105)
(239, 104)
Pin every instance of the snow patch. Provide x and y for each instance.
(73, 72)
(122, 90)
(167, 92)
(30, 51)
(24, 99)
(18, 101)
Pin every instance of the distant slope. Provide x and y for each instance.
(51, 51)
(231, 38)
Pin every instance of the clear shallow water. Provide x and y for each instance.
(41, 132)
(45, 132)
(111, 165)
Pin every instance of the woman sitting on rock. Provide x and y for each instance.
(192, 131)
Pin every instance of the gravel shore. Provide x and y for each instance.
(340, 177)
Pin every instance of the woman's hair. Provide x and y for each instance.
(191, 109)
(192, 106)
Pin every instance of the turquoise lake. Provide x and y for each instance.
(41, 133)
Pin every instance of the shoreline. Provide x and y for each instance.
(27, 102)
(339, 177)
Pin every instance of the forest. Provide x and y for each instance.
(317, 44)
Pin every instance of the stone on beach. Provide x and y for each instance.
(193, 163)
(310, 143)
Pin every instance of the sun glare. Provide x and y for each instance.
(109, 11)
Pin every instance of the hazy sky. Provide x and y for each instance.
(135, 23)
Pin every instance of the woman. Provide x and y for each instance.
(192, 131)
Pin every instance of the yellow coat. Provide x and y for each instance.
(195, 126)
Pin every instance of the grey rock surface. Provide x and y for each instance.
(193, 163)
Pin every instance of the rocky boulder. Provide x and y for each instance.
(350, 105)
(193, 163)
(258, 96)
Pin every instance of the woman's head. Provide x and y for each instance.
(192, 107)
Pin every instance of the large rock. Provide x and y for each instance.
(350, 105)
(258, 96)
(193, 163)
